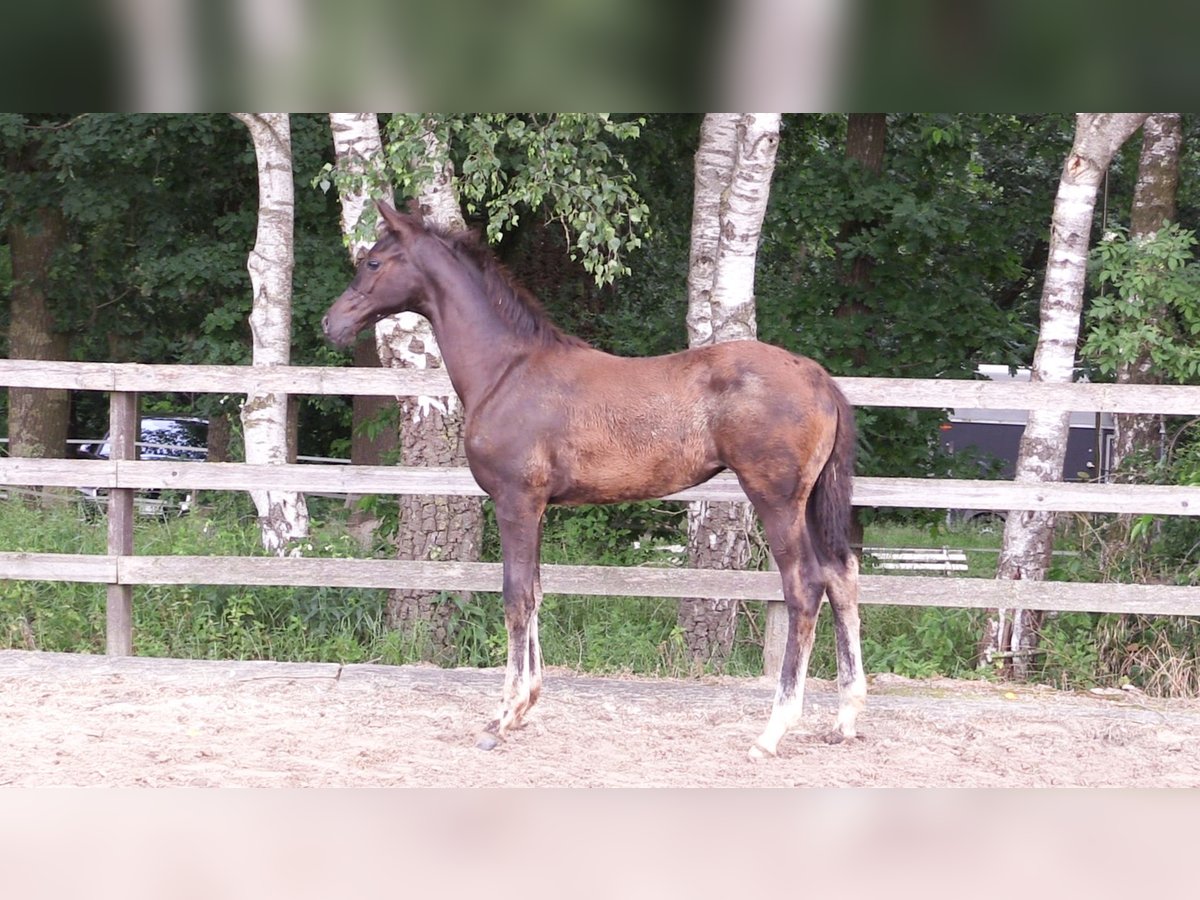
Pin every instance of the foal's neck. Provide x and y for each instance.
(478, 343)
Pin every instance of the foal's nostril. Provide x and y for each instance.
(325, 325)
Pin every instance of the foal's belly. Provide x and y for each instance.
(615, 475)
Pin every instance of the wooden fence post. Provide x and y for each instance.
(124, 428)
(774, 632)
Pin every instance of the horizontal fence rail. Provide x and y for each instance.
(913, 493)
(920, 393)
(121, 568)
(644, 581)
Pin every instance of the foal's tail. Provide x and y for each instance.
(830, 511)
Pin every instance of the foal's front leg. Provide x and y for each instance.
(520, 542)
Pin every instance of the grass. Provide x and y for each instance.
(591, 634)
(980, 544)
(595, 634)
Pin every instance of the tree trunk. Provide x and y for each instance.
(431, 434)
(734, 165)
(220, 435)
(358, 148)
(866, 141)
(866, 138)
(1029, 536)
(37, 417)
(372, 445)
(1139, 434)
(282, 515)
(715, 159)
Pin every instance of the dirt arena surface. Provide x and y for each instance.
(93, 720)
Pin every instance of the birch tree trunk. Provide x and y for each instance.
(1029, 536)
(715, 158)
(358, 149)
(734, 165)
(1153, 204)
(431, 434)
(282, 515)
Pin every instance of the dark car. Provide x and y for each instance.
(995, 434)
(162, 437)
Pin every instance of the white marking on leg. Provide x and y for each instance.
(515, 698)
(786, 712)
(535, 658)
(852, 695)
(852, 681)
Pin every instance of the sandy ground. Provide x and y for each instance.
(93, 720)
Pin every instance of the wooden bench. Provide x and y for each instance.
(943, 559)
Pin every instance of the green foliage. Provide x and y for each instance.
(478, 630)
(561, 166)
(623, 534)
(943, 233)
(644, 314)
(1156, 654)
(954, 239)
(913, 642)
(1152, 313)
(1069, 657)
(1153, 310)
(561, 163)
(954, 228)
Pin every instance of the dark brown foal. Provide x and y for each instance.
(550, 419)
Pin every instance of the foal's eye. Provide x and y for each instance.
(372, 264)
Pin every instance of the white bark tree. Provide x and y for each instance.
(283, 515)
(1029, 536)
(431, 434)
(715, 158)
(408, 338)
(358, 149)
(734, 164)
(431, 527)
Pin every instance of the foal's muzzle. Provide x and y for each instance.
(343, 321)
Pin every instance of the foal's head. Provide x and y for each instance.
(388, 279)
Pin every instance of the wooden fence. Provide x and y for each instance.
(122, 568)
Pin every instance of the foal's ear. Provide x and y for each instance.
(403, 226)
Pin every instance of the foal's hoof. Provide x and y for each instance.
(758, 751)
(487, 741)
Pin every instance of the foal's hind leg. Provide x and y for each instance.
(803, 587)
(804, 600)
(841, 584)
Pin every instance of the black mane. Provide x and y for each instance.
(515, 303)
